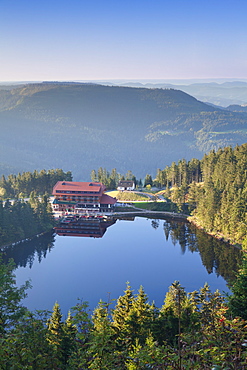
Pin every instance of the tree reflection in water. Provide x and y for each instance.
(217, 256)
(25, 253)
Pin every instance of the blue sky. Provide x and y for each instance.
(106, 40)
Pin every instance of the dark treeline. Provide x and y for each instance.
(21, 185)
(215, 189)
(179, 174)
(197, 330)
(112, 178)
(20, 219)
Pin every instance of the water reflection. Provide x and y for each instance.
(24, 254)
(93, 227)
(216, 256)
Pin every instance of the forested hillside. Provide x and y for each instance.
(21, 219)
(215, 189)
(39, 183)
(83, 126)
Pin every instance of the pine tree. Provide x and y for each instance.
(55, 328)
(81, 319)
(94, 176)
(11, 309)
(148, 180)
(237, 302)
(140, 317)
(68, 343)
(123, 307)
(103, 346)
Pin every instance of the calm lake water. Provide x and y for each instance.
(147, 252)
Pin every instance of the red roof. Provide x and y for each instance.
(106, 199)
(76, 187)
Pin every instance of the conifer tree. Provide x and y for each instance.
(175, 298)
(238, 300)
(148, 180)
(103, 345)
(81, 319)
(55, 327)
(140, 317)
(123, 307)
(68, 343)
(94, 176)
(11, 309)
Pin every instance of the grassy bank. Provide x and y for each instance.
(127, 196)
(157, 206)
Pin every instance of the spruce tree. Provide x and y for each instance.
(55, 327)
(11, 309)
(123, 307)
(237, 302)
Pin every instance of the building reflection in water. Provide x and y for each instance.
(93, 226)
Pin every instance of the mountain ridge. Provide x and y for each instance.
(81, 127)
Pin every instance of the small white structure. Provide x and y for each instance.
(126, 185)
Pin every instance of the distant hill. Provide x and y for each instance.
(238, 108)
(220, 94)
(80, 127)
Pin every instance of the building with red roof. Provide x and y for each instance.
(81, 197)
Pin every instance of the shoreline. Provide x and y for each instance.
(217, 236)
(24, 240)
(144, 213)
(182, 217)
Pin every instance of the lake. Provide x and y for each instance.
(148, 252)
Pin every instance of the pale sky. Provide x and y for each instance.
(122, 39)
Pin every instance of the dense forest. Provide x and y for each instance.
(111, 179)
(197, 330)
(25, 183)
(20, 218)
(24, 219)
(215, 188)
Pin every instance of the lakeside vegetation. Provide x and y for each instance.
(215, 190)
(22, 220)
(212, 191)
(196, 330)
(39, 183)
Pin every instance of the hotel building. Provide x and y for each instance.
(81, 197)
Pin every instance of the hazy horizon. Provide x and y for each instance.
(142, 81)
(82, 40)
